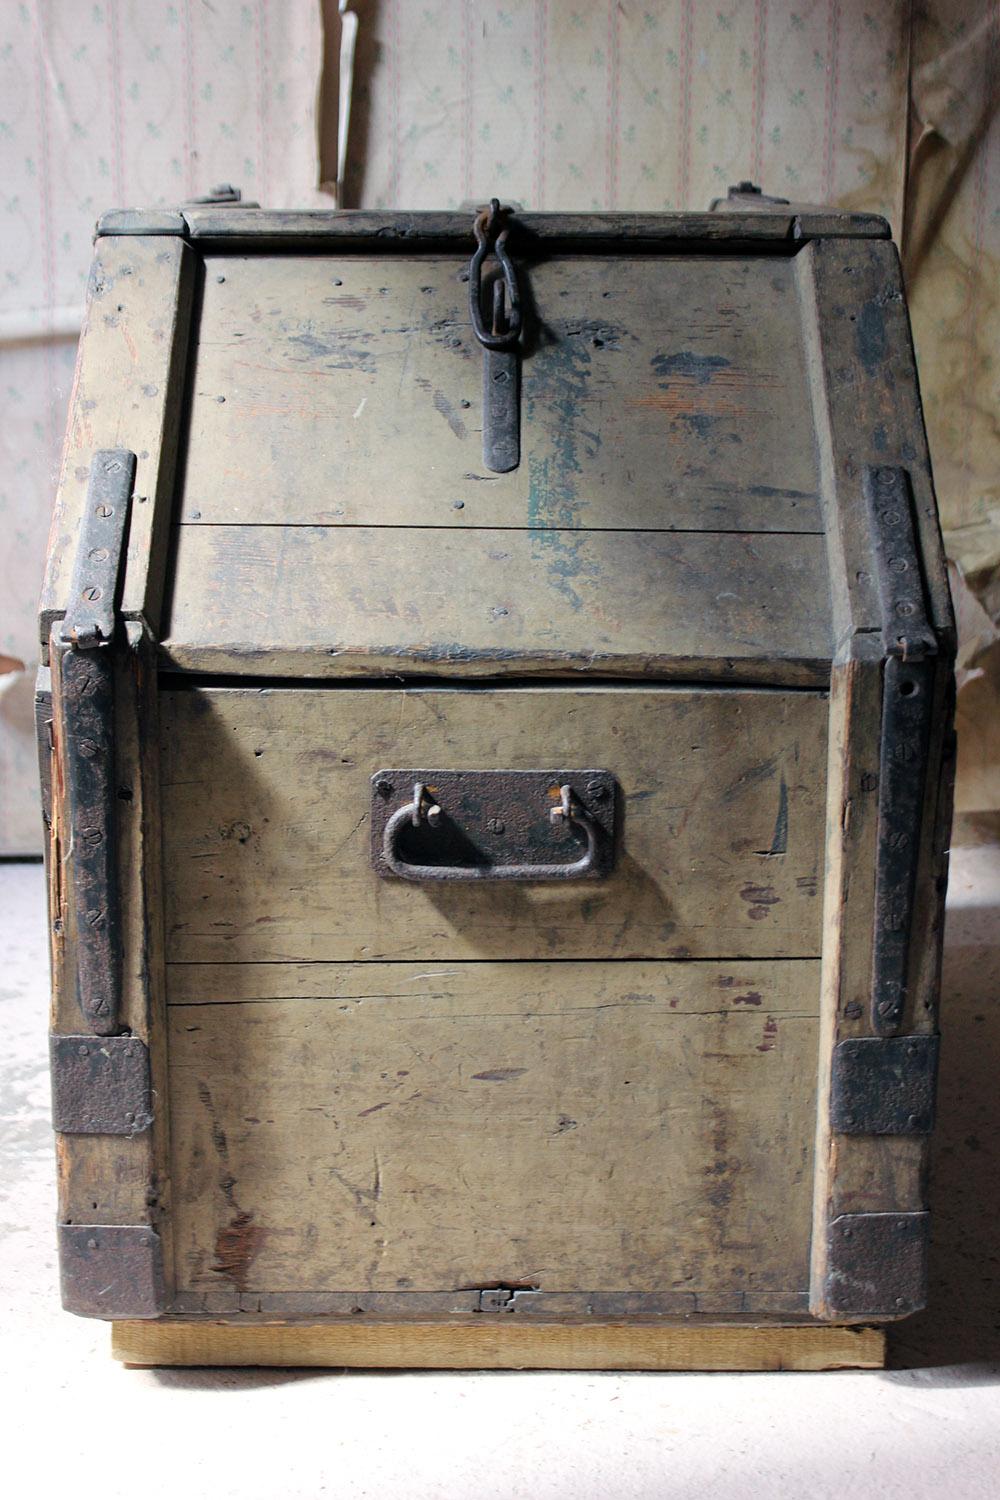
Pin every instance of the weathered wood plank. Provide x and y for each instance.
(661, 394)
(127, 394)
(867, 411)
(116, 1179)
(492, 1347)
(355, 601)
(579, 1128)
(386, 231)
(266, 798)
(859, 1173)
(722, 987)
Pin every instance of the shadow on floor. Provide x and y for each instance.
(961, 1325)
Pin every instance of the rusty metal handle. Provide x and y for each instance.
(417, 812)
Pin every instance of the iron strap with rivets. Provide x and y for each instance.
(86, 735)
(495, 311)
(907, 702)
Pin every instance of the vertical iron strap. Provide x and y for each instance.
(87, 697)
(907, 699)
(499, 334)
(905, 742)
(88, 725)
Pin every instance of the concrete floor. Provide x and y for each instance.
(78, 1423)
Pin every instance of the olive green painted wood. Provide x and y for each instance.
(571, 1127)
(390, 231)
(867, 411)
(365, 601)
(657, 394)
(380, 1092)
(266, 801)
(127, 393)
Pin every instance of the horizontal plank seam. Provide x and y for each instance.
(725, 958)
(471, 529)
(174, 680)
(489, 1015)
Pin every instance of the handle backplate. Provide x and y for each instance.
(527, 826)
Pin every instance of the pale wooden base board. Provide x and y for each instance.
(566, 1346)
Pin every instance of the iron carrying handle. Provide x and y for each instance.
(421, 810)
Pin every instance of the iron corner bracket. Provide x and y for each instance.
(876, 1265)
(100, 1085)
(111, 1270)
(884, 1085)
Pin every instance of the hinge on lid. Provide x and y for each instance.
(84, 640)
(911, 647)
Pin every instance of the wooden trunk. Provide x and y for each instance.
(353, 1035)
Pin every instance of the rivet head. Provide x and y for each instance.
(384, 787)
(913, 1121)
(91, 1244)
(84, 1051)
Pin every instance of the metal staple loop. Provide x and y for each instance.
(491, 229)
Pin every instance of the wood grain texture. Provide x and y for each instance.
(126, 394)
(856, 1173)
(363, 602)
(116, 1179)
(389, 231)
(598, 1127)
(657, 394)
(470, 1347)
(867, 411)
(266, 797)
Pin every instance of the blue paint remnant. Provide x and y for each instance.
(870, 338)
(689, 366)
(555, 388)
(779, 842)
(880, 438)
(338, 351)
(770, 492)
(697, 421)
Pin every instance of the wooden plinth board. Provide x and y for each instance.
(430, 1346)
